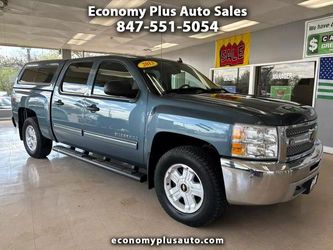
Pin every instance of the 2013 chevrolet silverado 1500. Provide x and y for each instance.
(201, 147)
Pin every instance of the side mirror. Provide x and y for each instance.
(120, 88)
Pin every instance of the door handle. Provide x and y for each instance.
(92, 108)
(59, 103)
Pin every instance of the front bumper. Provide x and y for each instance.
(262, 183)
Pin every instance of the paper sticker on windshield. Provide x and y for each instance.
(147, 64)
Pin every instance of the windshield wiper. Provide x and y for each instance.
(186, 90)
(195, 90)
(214, 90)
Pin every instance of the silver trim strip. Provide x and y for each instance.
(113, 140)
(282, 144)
(74, 130)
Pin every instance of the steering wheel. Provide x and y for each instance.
(185, 85)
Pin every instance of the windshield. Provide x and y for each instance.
(176, 77)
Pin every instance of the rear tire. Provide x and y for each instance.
(35, 143)
(189, 185)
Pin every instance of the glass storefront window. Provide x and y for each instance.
(234, 80)
(287, 81)
(82, 54)
(12, 59)
(77, 54)
(90, 54)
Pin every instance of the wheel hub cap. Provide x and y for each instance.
(31, 138)
(183, 188)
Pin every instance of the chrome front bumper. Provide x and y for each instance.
(262, 183)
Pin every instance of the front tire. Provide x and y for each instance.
(189, 186)
(35, 143)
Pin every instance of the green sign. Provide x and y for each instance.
(318, 37)
(320, 44)
(281, 92)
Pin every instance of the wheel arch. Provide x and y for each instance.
(164, 141)
(23, 114)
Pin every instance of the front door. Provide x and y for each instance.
(68, 103)
(115, 124)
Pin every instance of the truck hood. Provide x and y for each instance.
(269, 111)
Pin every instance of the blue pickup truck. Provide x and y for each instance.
(164, 122)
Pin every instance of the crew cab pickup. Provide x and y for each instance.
(164, 122)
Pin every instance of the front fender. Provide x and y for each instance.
(186, 122)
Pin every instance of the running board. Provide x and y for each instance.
(112, 165)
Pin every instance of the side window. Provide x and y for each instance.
(115, 77)
(76, 78)
(39, 74)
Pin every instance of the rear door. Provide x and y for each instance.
(68, 104)
(115, 124)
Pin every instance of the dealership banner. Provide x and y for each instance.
(325, 85)
(318, 38)
(233, 51)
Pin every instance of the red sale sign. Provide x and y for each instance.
(233, 51)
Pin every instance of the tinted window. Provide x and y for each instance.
(116, 73)
(76, 77)
(39, 74)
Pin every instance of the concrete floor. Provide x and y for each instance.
(63, 203)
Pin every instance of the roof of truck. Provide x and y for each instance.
(98, 57)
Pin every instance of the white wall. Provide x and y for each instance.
(280, 43)
(201, 57)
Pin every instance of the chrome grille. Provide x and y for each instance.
(298, 140)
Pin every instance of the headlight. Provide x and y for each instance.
(254, 142)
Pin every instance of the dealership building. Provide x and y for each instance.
(280, 51)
